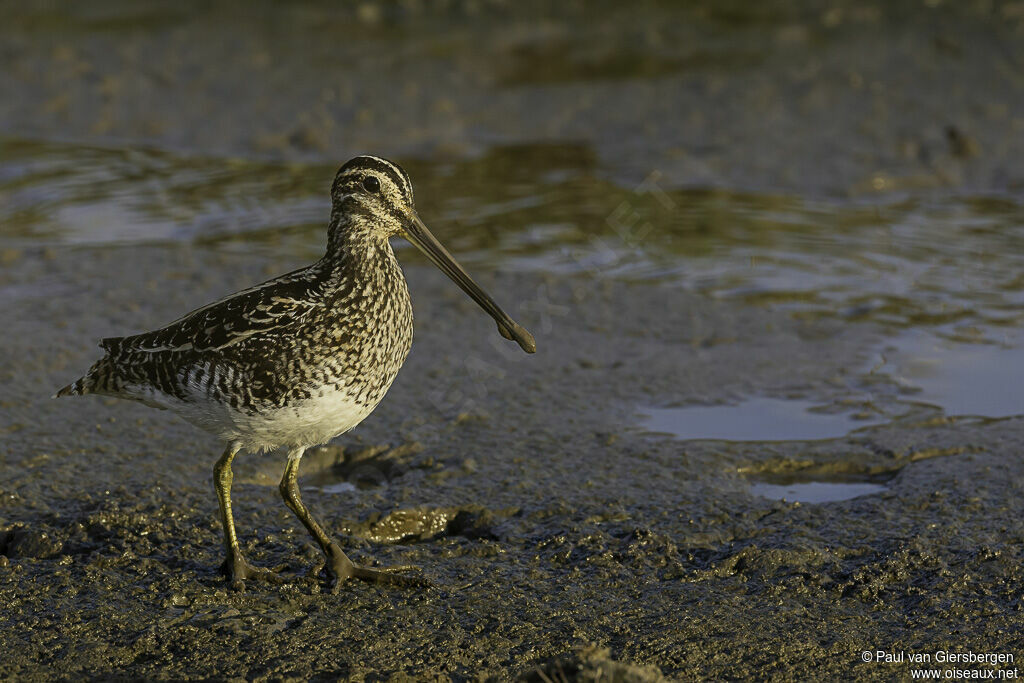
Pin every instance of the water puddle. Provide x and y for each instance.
(343, 479)
(757, 419)
(340, 487)
(980, 379)
(815, 491)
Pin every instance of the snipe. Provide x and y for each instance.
(299, 359)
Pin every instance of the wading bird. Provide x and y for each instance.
(297, 360)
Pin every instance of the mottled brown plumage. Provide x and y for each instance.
(299, 359)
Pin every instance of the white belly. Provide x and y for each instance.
(310, 422)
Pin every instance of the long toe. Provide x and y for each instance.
(238, 571)
(392, 577)
(341, 569)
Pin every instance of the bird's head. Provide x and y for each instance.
(372, 195)
(372, 199)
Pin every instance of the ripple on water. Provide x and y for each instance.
(914, 265)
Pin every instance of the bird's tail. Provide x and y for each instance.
(76, 388)
(90, 383)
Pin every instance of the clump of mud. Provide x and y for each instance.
(591, 664)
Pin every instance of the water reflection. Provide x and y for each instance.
(60, 194)
(757, 419)
(981, 379)
(914, 263)
(815, 491)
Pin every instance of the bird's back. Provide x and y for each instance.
(316, 349)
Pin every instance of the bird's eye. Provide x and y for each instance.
(371, 184)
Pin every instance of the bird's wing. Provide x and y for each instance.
(281, 302)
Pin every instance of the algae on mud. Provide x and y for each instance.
(825, 232)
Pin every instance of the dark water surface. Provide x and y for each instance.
(941, 274)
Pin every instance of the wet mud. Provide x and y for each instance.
(796, 257)
(546, 520)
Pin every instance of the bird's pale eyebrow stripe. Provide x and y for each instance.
(398, 176)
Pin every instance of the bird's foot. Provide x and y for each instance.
(238, 570)
(341, 569)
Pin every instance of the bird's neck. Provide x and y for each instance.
(365, 287)
(360, 258)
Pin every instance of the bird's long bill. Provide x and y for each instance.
(418, 234)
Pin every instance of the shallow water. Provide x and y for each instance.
(756, 419)
(948, 268)
(960, 376)
(941, 275)
(815, 491)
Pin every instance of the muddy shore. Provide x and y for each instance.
(547, 522)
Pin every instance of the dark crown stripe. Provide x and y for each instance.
(406, 183)
(393, 171)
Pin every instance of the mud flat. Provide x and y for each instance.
(548, 519)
